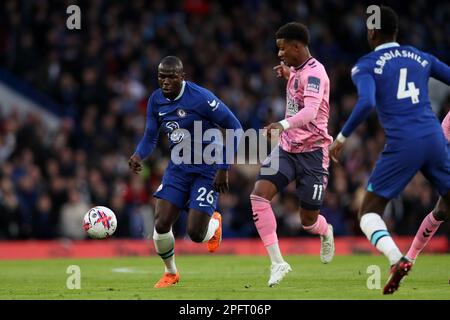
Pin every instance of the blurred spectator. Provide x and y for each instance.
(44, 224)
(72, 214)
(9, 211)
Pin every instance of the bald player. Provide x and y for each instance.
(176, 108)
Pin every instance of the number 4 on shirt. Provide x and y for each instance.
(403, 93)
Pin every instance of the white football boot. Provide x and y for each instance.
(277, 272)
(327, 246)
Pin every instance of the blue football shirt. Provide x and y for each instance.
(394, 79)
(195, 109)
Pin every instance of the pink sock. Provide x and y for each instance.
(265, 221)
(320, 227)
(427, 229)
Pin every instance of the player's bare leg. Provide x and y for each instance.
(315, 223)
(429, 227)
(376, 231)
(266, 225)
(166, 214)
(202, 228)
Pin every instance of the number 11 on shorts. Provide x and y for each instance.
(318, 190)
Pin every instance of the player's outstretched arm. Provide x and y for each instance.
(365, 85)
(220, 182)
(304, 116)
(217, 112)
(439, 70)
(312, 97)
(147, 143)
(221, 115)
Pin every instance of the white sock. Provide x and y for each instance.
(164, 244)
(275, 253)
(375, 230)
(212, 227)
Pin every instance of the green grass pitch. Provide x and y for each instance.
(220, 277)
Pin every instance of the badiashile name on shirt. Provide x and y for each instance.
(398, 54)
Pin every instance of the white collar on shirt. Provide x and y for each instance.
(387, 45)
(183, 84)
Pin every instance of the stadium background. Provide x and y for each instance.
(96, 81)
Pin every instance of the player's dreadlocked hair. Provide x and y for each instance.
(388, 21)
(293, 31)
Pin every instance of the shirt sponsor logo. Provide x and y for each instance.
(175, 134)
(292, 107)
(313, 84)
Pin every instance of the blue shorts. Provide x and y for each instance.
(188, 189)
(399, 163)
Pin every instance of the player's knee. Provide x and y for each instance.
(196, 234)
(162, 226)
(264, 189)
(308, 218)
(360, 214)
(265, 194)
(362, 211)
(372, 203)
(258, 193)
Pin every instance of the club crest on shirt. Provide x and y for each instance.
(181, 113)
(313, 84)
(296, 84)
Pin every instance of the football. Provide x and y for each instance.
(100, 222)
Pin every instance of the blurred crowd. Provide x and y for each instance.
(103, 74)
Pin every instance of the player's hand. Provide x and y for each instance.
(336, 150)
(271, 129)
(282, 70)
(134, 163)
(220, 183)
